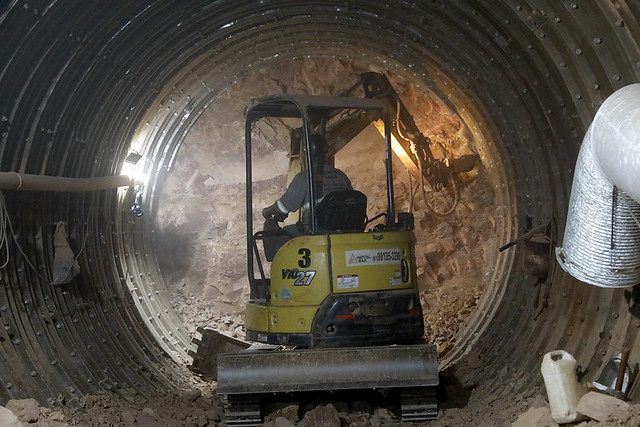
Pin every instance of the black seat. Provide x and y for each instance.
(344, 211)
(273, 237)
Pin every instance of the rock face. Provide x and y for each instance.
(8, 418)
(24, 412)
(27, 410)
(326, 416)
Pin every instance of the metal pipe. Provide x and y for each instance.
(27, 182)
(602, 235)
(624, 359)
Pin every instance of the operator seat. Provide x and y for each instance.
(343, 211)
(339, 211)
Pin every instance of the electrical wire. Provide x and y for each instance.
(456, 195)
(4, 220)
(6, 226)
(411, 195)
(4, 237)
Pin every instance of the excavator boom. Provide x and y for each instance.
(416, 155)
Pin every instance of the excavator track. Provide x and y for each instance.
(416, 406)
(419, 405)
(242, 410)
(411, 370)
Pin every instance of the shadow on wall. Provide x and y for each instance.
(451, 392)
(174, 251)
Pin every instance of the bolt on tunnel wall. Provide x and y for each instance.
(81, 87)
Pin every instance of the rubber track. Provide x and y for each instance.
(242, 411)
(418, 405)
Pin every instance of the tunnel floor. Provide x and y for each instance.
(197, 404)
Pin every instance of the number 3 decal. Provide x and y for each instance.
(305, 260)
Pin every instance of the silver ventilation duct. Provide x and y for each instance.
(602, 235)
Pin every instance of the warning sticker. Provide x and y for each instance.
(373, 257)
(347, 281)
(396, 280)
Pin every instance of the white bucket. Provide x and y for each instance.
(563, 389)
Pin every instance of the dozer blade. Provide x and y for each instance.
(272, 371)
(410, 369)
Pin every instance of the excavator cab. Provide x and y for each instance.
(339, 281)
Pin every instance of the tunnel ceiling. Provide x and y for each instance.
(80, 85)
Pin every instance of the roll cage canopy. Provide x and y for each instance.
(314, 111)
(288, 105)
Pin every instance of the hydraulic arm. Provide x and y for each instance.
(417, 157)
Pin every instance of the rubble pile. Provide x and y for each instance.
(24, 412)
(200, 408)
(156, 409)
(598, 410)
(332, 415)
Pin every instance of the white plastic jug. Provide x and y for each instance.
(563, 389)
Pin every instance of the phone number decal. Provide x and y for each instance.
(373, 257)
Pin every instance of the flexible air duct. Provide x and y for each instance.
(602, 235)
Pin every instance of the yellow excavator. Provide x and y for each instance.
(335, 306)
(332, 284)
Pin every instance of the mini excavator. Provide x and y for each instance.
(346, 299)
(335, 285)
(336, 307)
